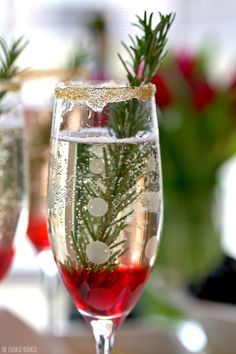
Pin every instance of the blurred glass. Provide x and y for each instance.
(13, 201)
(37, 95)
(38, 110)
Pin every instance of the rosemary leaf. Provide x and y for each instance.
(147, 50)
(8, 56)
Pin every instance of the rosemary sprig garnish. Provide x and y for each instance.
(147, 51)
(118, 187)
(8, 57)
(127, 119)
(124, 164)
(78, 58)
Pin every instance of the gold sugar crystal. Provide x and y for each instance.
(98, 96)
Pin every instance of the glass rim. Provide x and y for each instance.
(9, 85)
(61, 74)
(112, 91)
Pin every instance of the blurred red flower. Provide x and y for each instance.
(186, 64)
(197, 124)
(164, 96)
(202, 94)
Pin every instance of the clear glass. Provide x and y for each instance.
(104, 198)
(38, 115)
(13, 201)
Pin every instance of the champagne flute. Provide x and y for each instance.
(38, 115)
(13, 201)
(104, 198)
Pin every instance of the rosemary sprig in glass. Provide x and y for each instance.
(8, 57)
(118, 186)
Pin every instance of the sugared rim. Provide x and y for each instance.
(8, 85)
(105, 92)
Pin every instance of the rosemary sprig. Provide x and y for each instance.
(124, 164)
(8, 56)
(78, 58)
(147, 51)
(119, 191)
(127, 119)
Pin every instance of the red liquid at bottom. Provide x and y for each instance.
(106, 293)
(6, 257)
(37, 232)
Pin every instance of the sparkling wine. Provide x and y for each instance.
(104, 216)
(38, 120)
(12, 190)
(6, 257)
(37, 232)
(106, 293)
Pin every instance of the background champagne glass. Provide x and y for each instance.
(105, 199)
(37, 95)
(13, 201)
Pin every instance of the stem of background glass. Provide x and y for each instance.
(50, 290)
(103, 331)
(48, 271)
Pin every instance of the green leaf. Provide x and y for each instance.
(150, 47)
(8, 56)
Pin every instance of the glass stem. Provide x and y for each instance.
(50, 285)
(103, 331)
